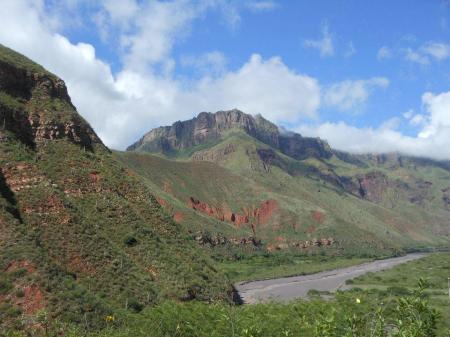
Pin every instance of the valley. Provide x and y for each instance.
(290, 288)
(99, 242)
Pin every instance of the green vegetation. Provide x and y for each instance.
(10, 57)
(259, 267)
(401, 280)
(87, 250)
(80, 237)
(355, 313)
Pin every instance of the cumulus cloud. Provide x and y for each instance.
(324, 45)
(213, 63)
(351, 95)
(427, 52)
(262, 86)
(432, 141)
(122, 106)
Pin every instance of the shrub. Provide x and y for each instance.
(130, 240)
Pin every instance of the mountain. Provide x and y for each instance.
(210, 127)
(233, 176)
(81, 236)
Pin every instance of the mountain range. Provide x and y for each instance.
(240, 175)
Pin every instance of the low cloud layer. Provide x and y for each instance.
(432, 141)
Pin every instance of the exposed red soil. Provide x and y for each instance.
(265, 211)
(178, 217)
(254, 215)
(21, 264)
(32, 301)
(318, 216)
(162, 202)
(95, 177)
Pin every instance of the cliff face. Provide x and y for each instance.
(36, 107)
(209, 127)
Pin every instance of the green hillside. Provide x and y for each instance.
(81, 237)
(366, 205)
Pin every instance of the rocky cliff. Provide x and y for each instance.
(36, 107)
(210, 127)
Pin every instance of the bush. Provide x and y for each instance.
(130, 241)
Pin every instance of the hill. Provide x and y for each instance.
(229, 172)
(80, 235)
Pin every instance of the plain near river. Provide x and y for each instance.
(289, 288)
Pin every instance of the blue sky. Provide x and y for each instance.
(368, 76)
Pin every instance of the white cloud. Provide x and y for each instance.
(122, 106)
(155, 29)
(384, 53)
(262, 86)
(408, 114)
(212, 63)
(351, 95)
(324, 45)
(417, 120)
(417, 57)
(440, 51)
(438, 108)
(428, 51)
(432, 141)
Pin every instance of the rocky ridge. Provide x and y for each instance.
(210, 127)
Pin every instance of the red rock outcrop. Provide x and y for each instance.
(255, 215)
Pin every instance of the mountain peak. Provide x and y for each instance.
(208, 127)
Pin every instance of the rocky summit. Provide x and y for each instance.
(210, 127)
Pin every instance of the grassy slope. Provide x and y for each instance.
(94, 237)
(403, 278)
(356, 312)
(299, 194)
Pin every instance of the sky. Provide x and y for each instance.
(367, 76)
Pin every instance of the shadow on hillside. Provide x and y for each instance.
(7, 194)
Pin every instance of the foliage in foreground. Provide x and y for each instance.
(350, 314)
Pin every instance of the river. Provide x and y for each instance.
(289, 288)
